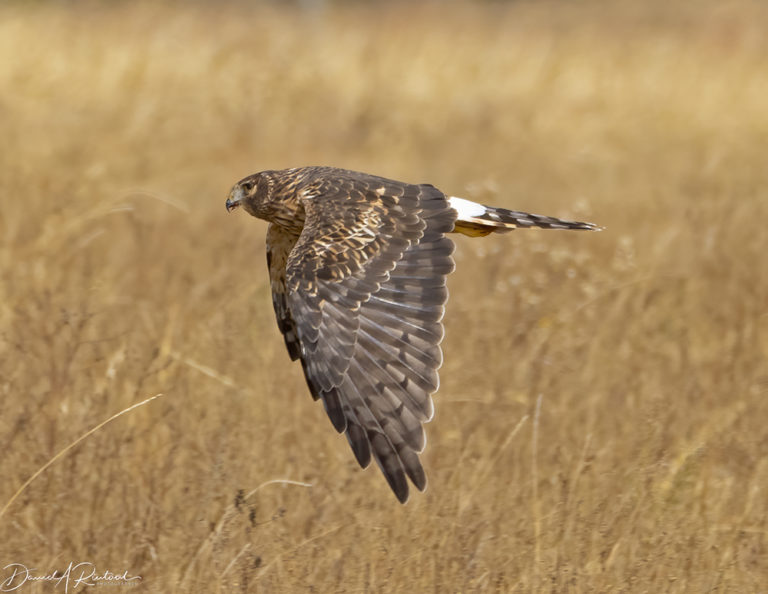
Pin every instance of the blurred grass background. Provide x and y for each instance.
(646, 346)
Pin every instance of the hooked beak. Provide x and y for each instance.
(235, 197)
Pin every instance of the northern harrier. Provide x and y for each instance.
(358, 265)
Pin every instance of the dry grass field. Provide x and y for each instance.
(602, 422)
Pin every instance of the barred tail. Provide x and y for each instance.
(477, 220)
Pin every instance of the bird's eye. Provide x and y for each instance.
(247, 186)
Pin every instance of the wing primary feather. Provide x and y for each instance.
(333, 408)
(357, 438)
(390, 465)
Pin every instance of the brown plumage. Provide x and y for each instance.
(358, 265)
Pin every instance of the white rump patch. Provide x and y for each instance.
(466, 208)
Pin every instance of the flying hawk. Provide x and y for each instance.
(358, 265)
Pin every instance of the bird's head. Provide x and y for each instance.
(252, 193)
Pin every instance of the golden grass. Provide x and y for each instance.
(602, 419)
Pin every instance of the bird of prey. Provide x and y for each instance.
(358, 265)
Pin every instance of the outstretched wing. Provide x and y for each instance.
(366, 291)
